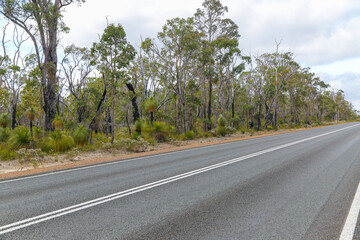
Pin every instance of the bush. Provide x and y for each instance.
(189, 135)
(158, 131)
(57, 142)
(138, 125)
(57, 123)
(230, 130)
(81, 135)
(7, 154)
(221, 121)
(221, 131)
(19, 138)
(4, 134)
(133, 145)
(235, 122)
(4, 120)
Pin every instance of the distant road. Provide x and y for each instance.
(299, 185)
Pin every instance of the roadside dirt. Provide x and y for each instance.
(16, 168)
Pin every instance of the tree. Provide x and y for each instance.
(218, 33)
(114, 54)
(42, 21)
(76, 68)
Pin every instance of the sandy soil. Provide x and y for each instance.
(18, 168)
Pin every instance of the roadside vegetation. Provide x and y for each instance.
(192, 82)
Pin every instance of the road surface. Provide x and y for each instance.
(299, 185)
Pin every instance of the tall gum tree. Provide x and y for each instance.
(42, 21)
(113, 56)
(219, 33)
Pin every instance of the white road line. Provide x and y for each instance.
(64, 211)
(351, 220)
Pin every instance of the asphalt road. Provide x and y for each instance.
(298, 185)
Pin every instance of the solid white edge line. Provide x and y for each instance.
(121, 161)
(348, 230)
(51, 215)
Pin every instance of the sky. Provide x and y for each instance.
(323, 34)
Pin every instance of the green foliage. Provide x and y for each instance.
(138, 125)
(4, 134)
(31, 113)
(7, 154)
(159, 131)
(151, 104)
(221, 131)
(4, 120)
(57, 123)
(236, 122)
(81, 135)
(221, 121)
(57, 142)
(19, 138)
(189, 135)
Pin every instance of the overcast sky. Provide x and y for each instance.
(323, 34)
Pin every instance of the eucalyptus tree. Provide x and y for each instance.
(76, 69)
(42, 20)
(175, 56)
(218, 33)
(113, 54)
(14, 70)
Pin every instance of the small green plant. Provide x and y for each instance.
(4, 134)
(221, 131)
(57, 123)
(158, 131)
(81, 135)
(57, 142)
(221, 126)
(189, 135)
(19, 138)
(138, 125)
(221, 121)
(4, 120)
(7, 154)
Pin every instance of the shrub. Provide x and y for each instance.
(207, 134)
(242, 130)
(230, 130)
(57, 123)
(4, 120)
(7, 154)
(133, 145)
(138, 124)
(158, 131)
(4, 134)
(221, 121)
(57, 142)
(221, 131)
(19, 138)
(189, 135)
(235, 122)
(81, 135)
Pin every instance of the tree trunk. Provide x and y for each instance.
(136, 114)
(93, 121)
(112, 115)
(209, 103)
(13, 114)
